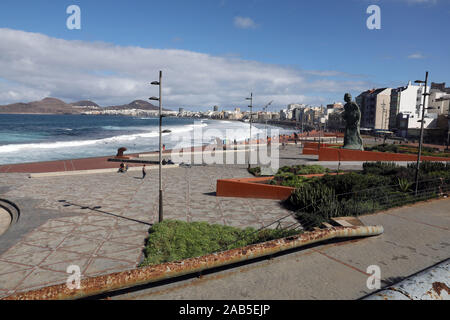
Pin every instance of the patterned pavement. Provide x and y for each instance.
(104, 219)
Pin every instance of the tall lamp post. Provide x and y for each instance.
(425, 94)
(265, 110)
(250, 138)
(159, 83)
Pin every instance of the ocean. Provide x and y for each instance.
(33, 138)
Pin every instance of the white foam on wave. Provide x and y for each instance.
(9, 148)
(135, 143)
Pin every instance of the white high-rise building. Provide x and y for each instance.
(408, 101)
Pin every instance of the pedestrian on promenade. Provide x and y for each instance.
(121, 167)
(144, 172)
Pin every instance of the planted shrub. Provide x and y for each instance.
(430, 166)
(289, 176)
(303, 169)
(287, 179)
(256, 171)
(346, 184)
(311, 198)
(379, 186)
(380, 168)
(384, 148)
(404, 185)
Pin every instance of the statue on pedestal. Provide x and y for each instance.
(352, 118)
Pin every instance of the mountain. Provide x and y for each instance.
(85, 103)
(136, 104)
(56, 106)
(47, 105)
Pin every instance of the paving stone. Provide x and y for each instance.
(112, 238)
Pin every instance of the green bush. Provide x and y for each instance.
(288, 179)
(289, 176)
(380, 168)
(310, 198)
(344, 185)
(379, 186)
(303, 169)
(256, 171)
(430, 166)
(383, 148)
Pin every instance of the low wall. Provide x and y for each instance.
(314, 151)
(249, 188)
(332, 154)
(314, 145)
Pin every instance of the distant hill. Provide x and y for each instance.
(56, 106)
(85, 103)
(47, 106)
(136, 104)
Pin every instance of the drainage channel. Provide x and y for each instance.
(9, 215)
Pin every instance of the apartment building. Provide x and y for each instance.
(375, 108)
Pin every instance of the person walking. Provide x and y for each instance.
(144, 172)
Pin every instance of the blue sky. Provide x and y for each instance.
(316, 50)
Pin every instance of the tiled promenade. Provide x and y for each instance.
(104, 227)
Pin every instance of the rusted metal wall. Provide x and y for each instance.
(140, 276)
(431, 284)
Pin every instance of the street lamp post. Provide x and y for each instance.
(250, 138)
(425, 94)
(159, 83)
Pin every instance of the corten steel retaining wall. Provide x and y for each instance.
(331, 154)
(314, 145)
(248, 188)
(310, 151)
(141, 276)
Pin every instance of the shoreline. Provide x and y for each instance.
(98, 162)
(72, 157)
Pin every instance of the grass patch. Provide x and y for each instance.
(401, 148)
(174, 240)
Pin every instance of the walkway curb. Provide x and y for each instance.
(93, 171)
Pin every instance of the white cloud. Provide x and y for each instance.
(410, 2)
(33, 66)
(244, 23)
(416, 55)
(422, 1)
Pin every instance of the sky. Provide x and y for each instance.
(215, 52)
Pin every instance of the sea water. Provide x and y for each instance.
(33, 138)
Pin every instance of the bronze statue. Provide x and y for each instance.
(352, 117)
